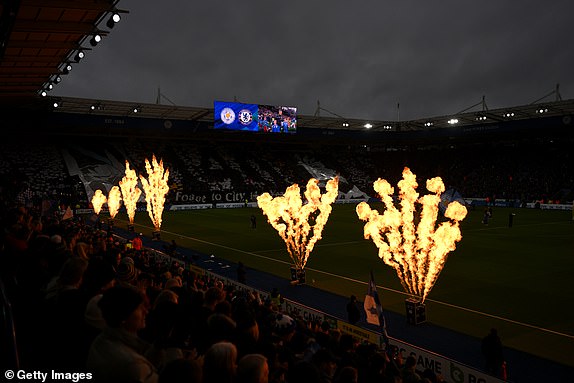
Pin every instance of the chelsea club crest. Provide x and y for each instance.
(245, 116)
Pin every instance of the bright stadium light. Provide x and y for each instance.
(113, 20)
(508, 114)
(80, 55)
(95, 40)
(480, 118)
(428, 124)
(345, 124)
(387, 127)
(542, 110)
(453, 121)
(368, 125)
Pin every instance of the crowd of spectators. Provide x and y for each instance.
(524, 172)
(84, 301)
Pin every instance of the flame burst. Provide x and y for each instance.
(114, 201)
(98, 200)
(155, 188)
(294, 221)
(418, 256)
(130, 191)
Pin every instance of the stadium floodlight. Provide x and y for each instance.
(96, 106)
(56, 104)
(345, 124)
(80, 55)
(43, 93)
(136, 109)
(114, 18)
(95, 40)
(57, 79)
(453, 121)
(481, 117)
(67, 68)
(428, 124)
(387, 127)
(508, 114)
(368, 125)
(50, 86)
(542, 110)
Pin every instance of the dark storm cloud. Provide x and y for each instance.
(358, 58)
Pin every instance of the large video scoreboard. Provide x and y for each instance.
(255, 118)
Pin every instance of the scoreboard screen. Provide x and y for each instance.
(254, 118)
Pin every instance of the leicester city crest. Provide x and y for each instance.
(227, 116)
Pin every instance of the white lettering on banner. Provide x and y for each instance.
(294, 310)
(359, 333)
(352, 200)
(190, 207)
(234, 197)
(180, 197)
(229, 205)
(555, 206)
(238, 286)
(450, 370)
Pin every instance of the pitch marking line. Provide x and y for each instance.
(365, 283)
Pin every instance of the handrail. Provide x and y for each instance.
(9, 329)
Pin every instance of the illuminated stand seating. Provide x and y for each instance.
(26, 159)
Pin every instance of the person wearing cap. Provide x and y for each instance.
(117, 354)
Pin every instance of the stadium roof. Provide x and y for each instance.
(564, 109)
(38, 38)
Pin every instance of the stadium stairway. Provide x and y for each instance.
(522, 367)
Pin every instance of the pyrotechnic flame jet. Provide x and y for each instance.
(114, 201)
(98, 200)
(155, 188)
(417, 254)
(300, 225)
(130, 191)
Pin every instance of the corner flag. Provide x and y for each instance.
(373, 308)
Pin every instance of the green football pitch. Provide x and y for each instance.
(518, 280)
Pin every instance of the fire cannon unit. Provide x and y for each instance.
(416, 311)
(297, 276)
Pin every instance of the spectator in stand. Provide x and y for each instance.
(304, 372)
(137, 242)
(326, 363)
(181, 371)
(253, 368)
(117, 354)
(409, 373)
(212, 297)
(220, 363)
(347, 374)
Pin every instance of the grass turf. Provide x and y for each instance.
(517, 279)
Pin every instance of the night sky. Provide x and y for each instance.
(359, 58)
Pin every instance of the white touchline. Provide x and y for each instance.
(365, 283)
